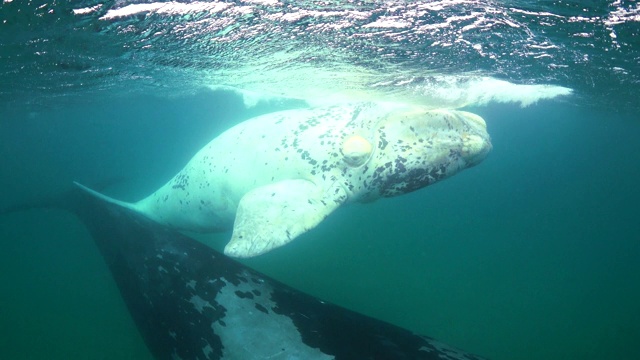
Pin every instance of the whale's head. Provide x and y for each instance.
(412, 148)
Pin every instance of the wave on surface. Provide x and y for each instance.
(447, 53)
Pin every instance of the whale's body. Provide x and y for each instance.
(189, 301)
(276, 176)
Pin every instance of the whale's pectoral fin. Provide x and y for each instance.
(272, 215)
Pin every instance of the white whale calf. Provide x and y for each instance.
(274, 177)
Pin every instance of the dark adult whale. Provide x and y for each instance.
(276, 176)
(190, 302)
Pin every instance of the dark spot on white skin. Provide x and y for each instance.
(244, 294)
(261, 308)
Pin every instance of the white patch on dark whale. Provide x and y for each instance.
(262, 330)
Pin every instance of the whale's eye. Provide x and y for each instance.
(356, 150)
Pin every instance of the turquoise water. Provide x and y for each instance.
(534, 253)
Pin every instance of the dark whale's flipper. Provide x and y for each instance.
(192, 302)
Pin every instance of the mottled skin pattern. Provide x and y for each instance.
(280, 174)
(190, 302)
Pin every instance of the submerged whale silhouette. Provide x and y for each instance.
(191, 302)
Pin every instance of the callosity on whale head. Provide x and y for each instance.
(411, 148)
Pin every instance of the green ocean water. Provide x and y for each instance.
(533, 254)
